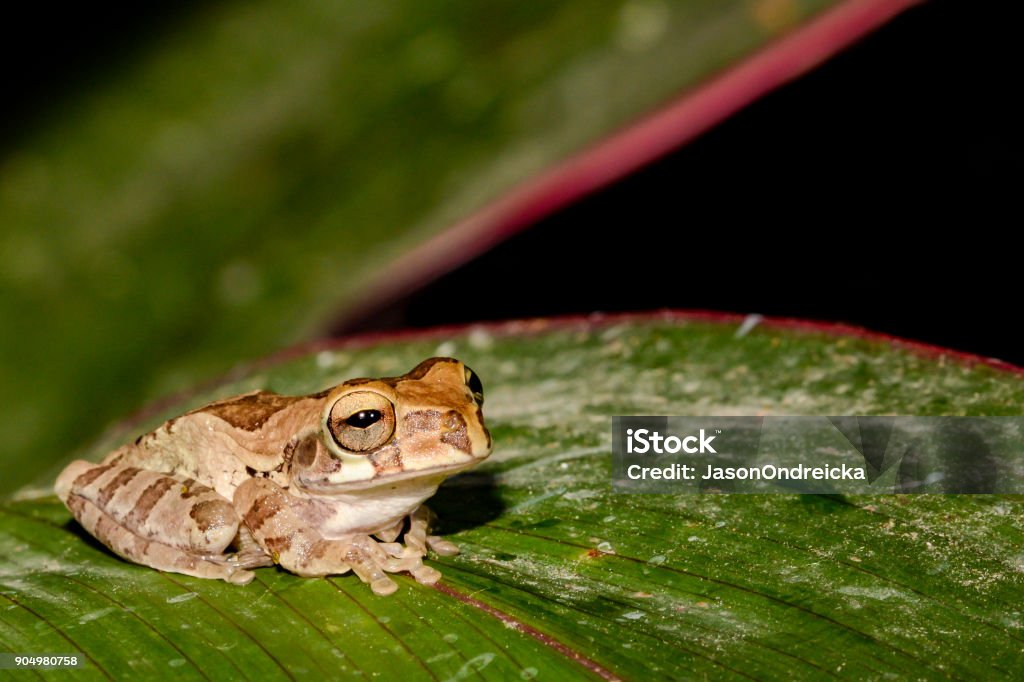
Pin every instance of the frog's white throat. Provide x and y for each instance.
(378, 505)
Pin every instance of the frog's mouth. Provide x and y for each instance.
(431, 476)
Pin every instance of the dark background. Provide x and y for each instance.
(883, 190)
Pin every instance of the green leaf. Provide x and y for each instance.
(558, 575)
(237, 184)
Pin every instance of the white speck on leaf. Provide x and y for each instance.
(475, 664)
(581, 494)
(182, 597)
(93, 615)
(879, 593)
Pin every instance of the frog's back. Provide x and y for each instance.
(224, 443)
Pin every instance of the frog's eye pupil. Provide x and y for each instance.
(364, 418)
(476, 386)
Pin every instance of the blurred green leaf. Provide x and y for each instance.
(555, 567)
(234, 187)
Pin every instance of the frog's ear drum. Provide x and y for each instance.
(476, 386)
(361, 421)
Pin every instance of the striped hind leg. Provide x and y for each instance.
(158, 520)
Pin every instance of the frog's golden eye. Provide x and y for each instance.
(476, 386)
(362, 421)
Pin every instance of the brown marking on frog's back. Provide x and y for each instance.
(455, 432)
(251, 411)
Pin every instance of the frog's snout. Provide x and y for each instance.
(483, 448)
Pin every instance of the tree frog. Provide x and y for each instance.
(320, 484)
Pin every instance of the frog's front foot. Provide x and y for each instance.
(391, 557)
(418, 536)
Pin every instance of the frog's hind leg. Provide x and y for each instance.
(154, 519)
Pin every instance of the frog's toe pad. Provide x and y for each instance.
(426, 575)
(442, 547)
(383, 586)
(240, 577)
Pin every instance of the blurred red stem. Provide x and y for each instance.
(614, 157)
